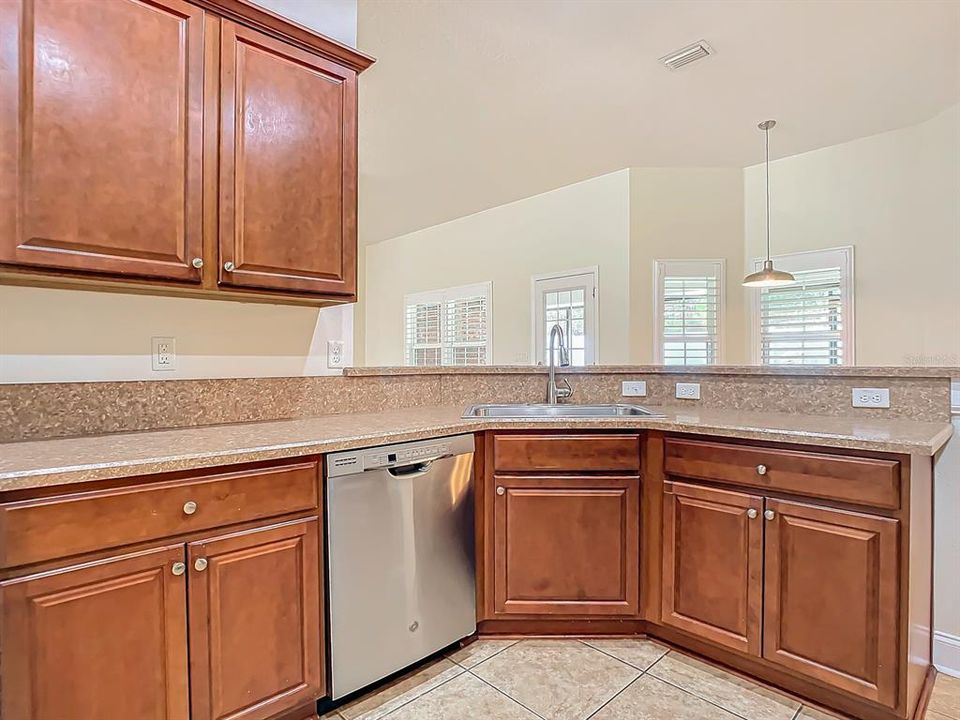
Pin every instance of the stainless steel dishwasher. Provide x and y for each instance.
(400, 555)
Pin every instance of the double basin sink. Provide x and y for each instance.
(519, 410)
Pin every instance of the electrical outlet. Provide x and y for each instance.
(633, 388)
(163, 353)
(334, 353)
(871, 397)
(688, 391)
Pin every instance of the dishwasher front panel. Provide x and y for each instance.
(401, 566)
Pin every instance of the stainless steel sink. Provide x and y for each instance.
(537, 411)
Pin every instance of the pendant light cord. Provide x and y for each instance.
(766, 153)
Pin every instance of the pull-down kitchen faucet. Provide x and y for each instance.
(554, 393)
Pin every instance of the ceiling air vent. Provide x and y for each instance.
(687, 55)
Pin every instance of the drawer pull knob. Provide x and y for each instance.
(769, 514)
(200, 564)
(178, 568)
(761, 469)
(189, 507)
(752, 513)
(197, 263)
(229, 266)
(500, 490)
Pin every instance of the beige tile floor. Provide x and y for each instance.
(598, 679)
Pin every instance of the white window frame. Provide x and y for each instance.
(535, 304)
(719, 266)
(443, 296)
(808, 260)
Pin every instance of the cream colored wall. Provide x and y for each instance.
(896, 198)
(66, 335)
(685, 214)
(576, 226)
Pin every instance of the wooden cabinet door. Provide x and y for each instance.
(830, 606)
(712, 563)
(107, 639)
(255, 622)
(101, 136)
(566, 545)
(287, 167)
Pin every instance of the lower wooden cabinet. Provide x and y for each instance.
(227, 627)
(255, 622)
(830, 605)
(712, 564)
(106, 639)
(566, 545)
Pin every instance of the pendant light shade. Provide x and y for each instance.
(768, 276)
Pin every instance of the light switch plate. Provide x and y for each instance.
(871, 397)
(688, 391)
(163, 355)
(334, 353)
(633, 388)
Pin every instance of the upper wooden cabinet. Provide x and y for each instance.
(169, 145)
(101, 136)
(288, 167)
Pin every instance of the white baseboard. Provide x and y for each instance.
(946, 653)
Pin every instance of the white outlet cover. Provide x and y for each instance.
(163, 353)
(334, 353)
(688, 391)
(871, 397)
(633, 388)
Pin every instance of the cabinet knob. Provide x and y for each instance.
(200, 564)
(189, 507)
(229, 266)
(761, 469)
(197, 263)
(500, 490)
(752, 513)
(769, 514)
(178, 568)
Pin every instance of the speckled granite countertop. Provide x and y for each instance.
(55, 462)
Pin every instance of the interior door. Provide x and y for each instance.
(101, 136)
(107, 639)
(712, 564)
(566, 545)
(287, 167)
(255, 622)
(830, 608)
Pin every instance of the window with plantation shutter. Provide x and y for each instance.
(811, 321)
(448, 327)
(689, 311)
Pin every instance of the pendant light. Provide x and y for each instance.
(768, 277)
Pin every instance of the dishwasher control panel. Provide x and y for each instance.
(357, 461)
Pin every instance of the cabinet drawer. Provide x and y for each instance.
(864, 481)
(538, 453)
(36, 530)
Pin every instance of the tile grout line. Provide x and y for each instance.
(506, 647)
(616, 694)
(628, 664)
(416, 697)
(508, 697)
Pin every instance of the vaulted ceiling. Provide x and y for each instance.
(476, 103)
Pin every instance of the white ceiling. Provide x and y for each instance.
(475, 103)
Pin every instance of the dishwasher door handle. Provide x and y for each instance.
(414, 469)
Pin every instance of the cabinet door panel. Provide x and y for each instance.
(288, 167)
(712, 564)
(103, 640)
(567, 545)
(101, 134)
(255, 622)
(830, 607)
